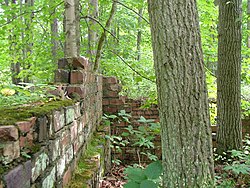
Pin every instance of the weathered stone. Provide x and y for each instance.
(42, 128)
(73, 130)
(80, 90)
(62, 76)
(26, 126)
(19, 177)
(9, 151)
(61, 167)
(69, 114)
(69, 154)
(81, 62)
(58, 120)
(67, 177)
(77, 109)
(64, 64)
(54, 148)
(65, 140)
(39, 164)
(77, 77)
(26, 141)
(8, 133)
(50, 179)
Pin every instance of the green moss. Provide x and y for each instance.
(86, 165)
(11, 115)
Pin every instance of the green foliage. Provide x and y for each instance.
(24, 93)
(141, 137)
(143, 178)
(236, 168)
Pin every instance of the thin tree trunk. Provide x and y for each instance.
(139, 35)
(54, 35)
(182, 94)
(103, 37)
(78, 29)
(70, 29)
(229, 135)
(92, 31)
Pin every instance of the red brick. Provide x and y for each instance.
(62, 76)
(116, 102)
(26, 141)
(80, 90)
(67, 177)
(110, 80)
(81, 62)
(8, 133)
(26, 126)
(77, 77)
(111, 94)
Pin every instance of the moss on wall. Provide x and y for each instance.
(11, 115)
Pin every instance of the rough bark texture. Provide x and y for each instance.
(70, 29)
(54, 39)
(92, 31)
(182, 94)
(229, 135)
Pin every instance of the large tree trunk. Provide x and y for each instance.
(229, 135)
(78, 29)
(70, 29)
(182, 94)
(92, 31)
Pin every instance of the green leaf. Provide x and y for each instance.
(132, 184)
(148, 184)
(154, 170)
(135, 174)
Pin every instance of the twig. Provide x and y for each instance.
(133, 11)
(131, 67)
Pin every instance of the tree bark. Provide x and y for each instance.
(92, 31)
(78, 28)
(182, 94)
(70, 29)
(229, 135)
(139, 35)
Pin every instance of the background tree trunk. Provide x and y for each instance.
(139, 35)
(70, 29)
(229, 134)
(92, 30)
(182, 94)
(78, 28)
(103, 37)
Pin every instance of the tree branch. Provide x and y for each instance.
(132, 67)
(133, 11)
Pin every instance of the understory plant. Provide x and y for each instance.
(141, 138)
(235, 169)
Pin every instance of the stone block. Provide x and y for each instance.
(60, 167)
(69, 154)
(40, 161)
(80, 90)
(69, 114)
(81, 62)
(19, 176)
(73, 130)
(9, 151)
(76, 145)
(110, 94)
(50, 179)
(77, 109)
(64, 140)
(26, 141)
(58, 120)
(26, 126)
(54, 149)
(62, 76)
(67, 177)
(42, 130)
(110, 80)
(8, 133)
(64, 64)
(77, 77)
(80, 126)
